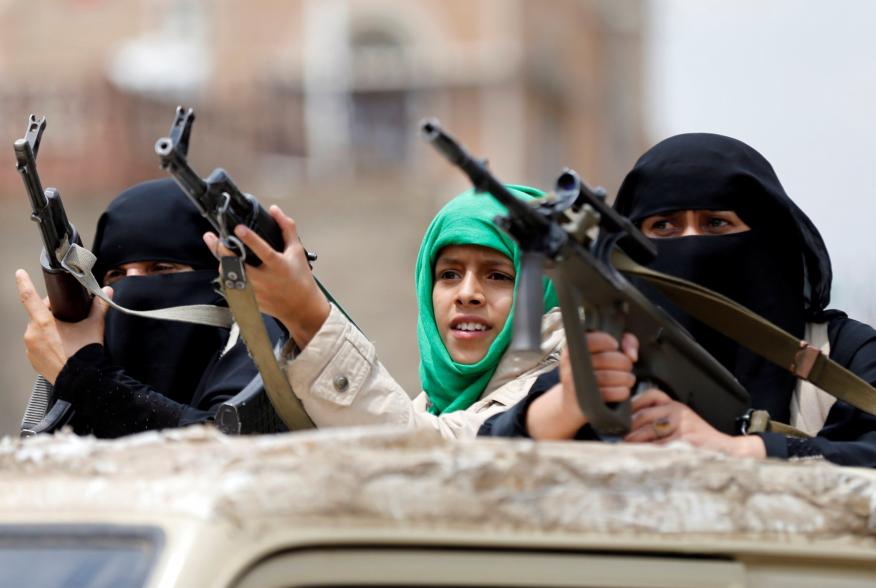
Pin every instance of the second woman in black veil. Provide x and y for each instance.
(720, 217)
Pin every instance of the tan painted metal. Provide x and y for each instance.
(242, 511)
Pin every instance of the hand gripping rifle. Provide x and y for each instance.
(557, 237)
(69, 300)
(225, 206)
(216, 196)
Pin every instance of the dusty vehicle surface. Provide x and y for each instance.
(391, 508)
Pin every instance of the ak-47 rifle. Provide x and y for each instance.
(216, 196)
(225, 206)
(69, 300)
(557, 237)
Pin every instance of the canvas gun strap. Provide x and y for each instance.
(79, 261)
(757, 334)
(243, 305)
(758, 421)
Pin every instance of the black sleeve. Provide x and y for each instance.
(849, 434)
(226, 377)
(512, 422)
(108, 403)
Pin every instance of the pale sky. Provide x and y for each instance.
(796, 80)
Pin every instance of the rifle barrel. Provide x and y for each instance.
(26, 165)
(178, 166)
(481, 177)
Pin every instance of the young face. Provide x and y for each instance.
(472, 294)
(143, 268)
(688, 223)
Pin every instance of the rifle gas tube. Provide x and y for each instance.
(557, 236)
(69, 300)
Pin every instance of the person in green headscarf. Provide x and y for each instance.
(466, 283)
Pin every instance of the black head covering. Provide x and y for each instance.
(703, 171)
(155, 221)
(780, 269)
(152, 221)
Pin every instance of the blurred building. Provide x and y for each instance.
(315, 104)
(304, 88)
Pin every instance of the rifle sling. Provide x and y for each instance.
(758, 421)
(757, 334)
(246, 313)
(79, 261)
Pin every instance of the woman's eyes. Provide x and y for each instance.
(112, 276)
(716, 222)
(692, 223)
(448, 275)
(502, 276)
(661, 226)
(164, 267)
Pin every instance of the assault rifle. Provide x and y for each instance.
(69, 300)
(224, 205)
(216, 196)
(571, 238)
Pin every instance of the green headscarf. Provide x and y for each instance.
(465, 220)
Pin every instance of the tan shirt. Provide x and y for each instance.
(341, 382)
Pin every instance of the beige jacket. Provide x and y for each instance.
(341, 382)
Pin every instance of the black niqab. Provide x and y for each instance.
(779, 269)
(155, 221)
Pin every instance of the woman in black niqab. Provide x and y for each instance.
(779, 269)
(149, 373)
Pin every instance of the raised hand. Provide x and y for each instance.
(50, 342)
(283, 285)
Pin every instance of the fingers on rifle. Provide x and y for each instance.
(98, 305)
(651, 397)
(643, 424)
(213, 244)
(614, 378)
(216, 247)
(612, 360)
(287, 224)
(598, 342)
(630, 346)
(258, 245)
(614, 393)
(35, 307)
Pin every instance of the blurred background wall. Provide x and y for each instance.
(314, 105)
(796, 80)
